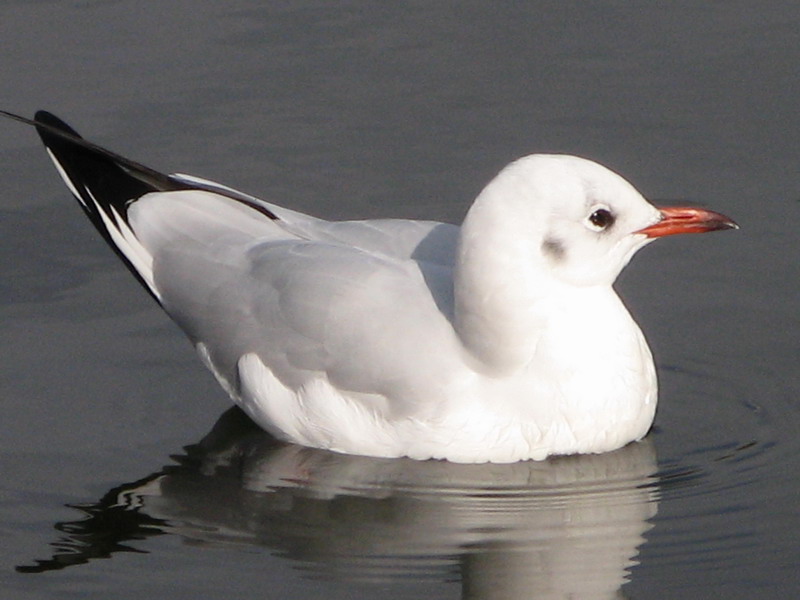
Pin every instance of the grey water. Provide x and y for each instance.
(124, 473)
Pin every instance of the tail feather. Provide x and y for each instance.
(105, 184)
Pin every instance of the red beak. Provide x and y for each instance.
(685, 219)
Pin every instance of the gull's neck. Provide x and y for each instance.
(504, 316)
(507, 295)
(497, 290)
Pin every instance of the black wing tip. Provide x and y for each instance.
(45, 115)
(60, 137)
(47, 118)
(106, 183)
(45, 122)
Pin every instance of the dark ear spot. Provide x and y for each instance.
(553, 248)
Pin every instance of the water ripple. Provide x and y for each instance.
(686, 499)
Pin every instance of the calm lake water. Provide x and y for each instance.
(124, 477)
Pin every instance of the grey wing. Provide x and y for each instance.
(425, 241)
(363, 303)
(240, 284)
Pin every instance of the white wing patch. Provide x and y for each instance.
(117, 229)
(127, 242)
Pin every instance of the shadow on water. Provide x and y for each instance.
(570, 525)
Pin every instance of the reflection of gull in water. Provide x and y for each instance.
(567, 527)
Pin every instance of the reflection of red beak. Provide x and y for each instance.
(685, 219)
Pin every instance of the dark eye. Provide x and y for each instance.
(601, 218)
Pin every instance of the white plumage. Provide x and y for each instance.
(500, 340)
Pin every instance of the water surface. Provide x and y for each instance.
(118, 479)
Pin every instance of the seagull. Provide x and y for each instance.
(499, 340)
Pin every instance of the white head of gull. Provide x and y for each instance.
(500, 340)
